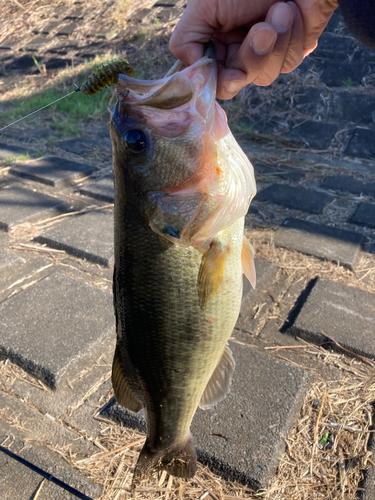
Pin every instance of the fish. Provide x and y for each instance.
(182, 189)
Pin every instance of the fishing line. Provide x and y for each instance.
(40, 109)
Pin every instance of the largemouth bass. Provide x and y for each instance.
(182, 189)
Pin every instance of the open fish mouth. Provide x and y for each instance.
(169, 105)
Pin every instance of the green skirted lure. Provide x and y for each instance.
(106, 74)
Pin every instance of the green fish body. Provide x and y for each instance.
(179, 256)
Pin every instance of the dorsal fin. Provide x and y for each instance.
(219, 383)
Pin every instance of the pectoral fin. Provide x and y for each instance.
(219, 383)
(123, 393)
(211, 272)
(247, 258)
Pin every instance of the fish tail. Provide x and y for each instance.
(180, 461)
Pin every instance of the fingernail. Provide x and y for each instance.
(262, 41)
(282, 17)
(233, 87)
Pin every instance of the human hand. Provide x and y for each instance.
(250, 51)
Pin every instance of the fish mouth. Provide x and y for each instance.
(171, 104)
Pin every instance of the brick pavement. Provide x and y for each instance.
(59, 274)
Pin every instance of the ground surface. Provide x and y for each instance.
(298, 420)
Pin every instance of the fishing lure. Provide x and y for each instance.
(106, 75)
(103, 76)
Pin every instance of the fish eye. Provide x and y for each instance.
(136, 141)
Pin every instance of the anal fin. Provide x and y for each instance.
(123, 393)
(247, 259)
(219, 383)
(211, 272)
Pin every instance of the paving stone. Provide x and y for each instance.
(19, 204)
(335, 46)
(79, 146)
(67, 30)
(9, 151)
(48, 28)
(75, 14)
(57, 63)
(364, 215)
(168, 14)
(354, 107)
(279, 171)
(101, 190)
(141, 16)
(266, 274)
(20, 482)
(324, 242)
(61, 320)
(53, 171)
(361, 143)
(35, 44)
(344, 313)
(335, 73)
(24, 63)
(297, 198)
(347, 183)
(88, 236)
(63, 47)
(243, 437)
(306, 99)
(169, 3)
(315, 134)
(7, 259)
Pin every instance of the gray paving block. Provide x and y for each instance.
(67, 30)
(18, 204)
(61, 320)
(53, 171)
(7, 259)
(101, 190)
(88, 236)
(251, 299)
(347, 183)
(79, 145)
(48, 28)
(361, 143)
(344, 313)
(297, 198)
(9, 151)
(354, 107)
(364, 215)
(315, 134)
(35, 44)
(18, 482)
(324, 242)
(282, 171)
(243, 437)
(336, 74)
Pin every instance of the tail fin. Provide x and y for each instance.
(180, 461)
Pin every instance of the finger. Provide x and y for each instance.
(295, 53)
(241, 63)
(315, 15)
(191, 33)
(281, 15)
